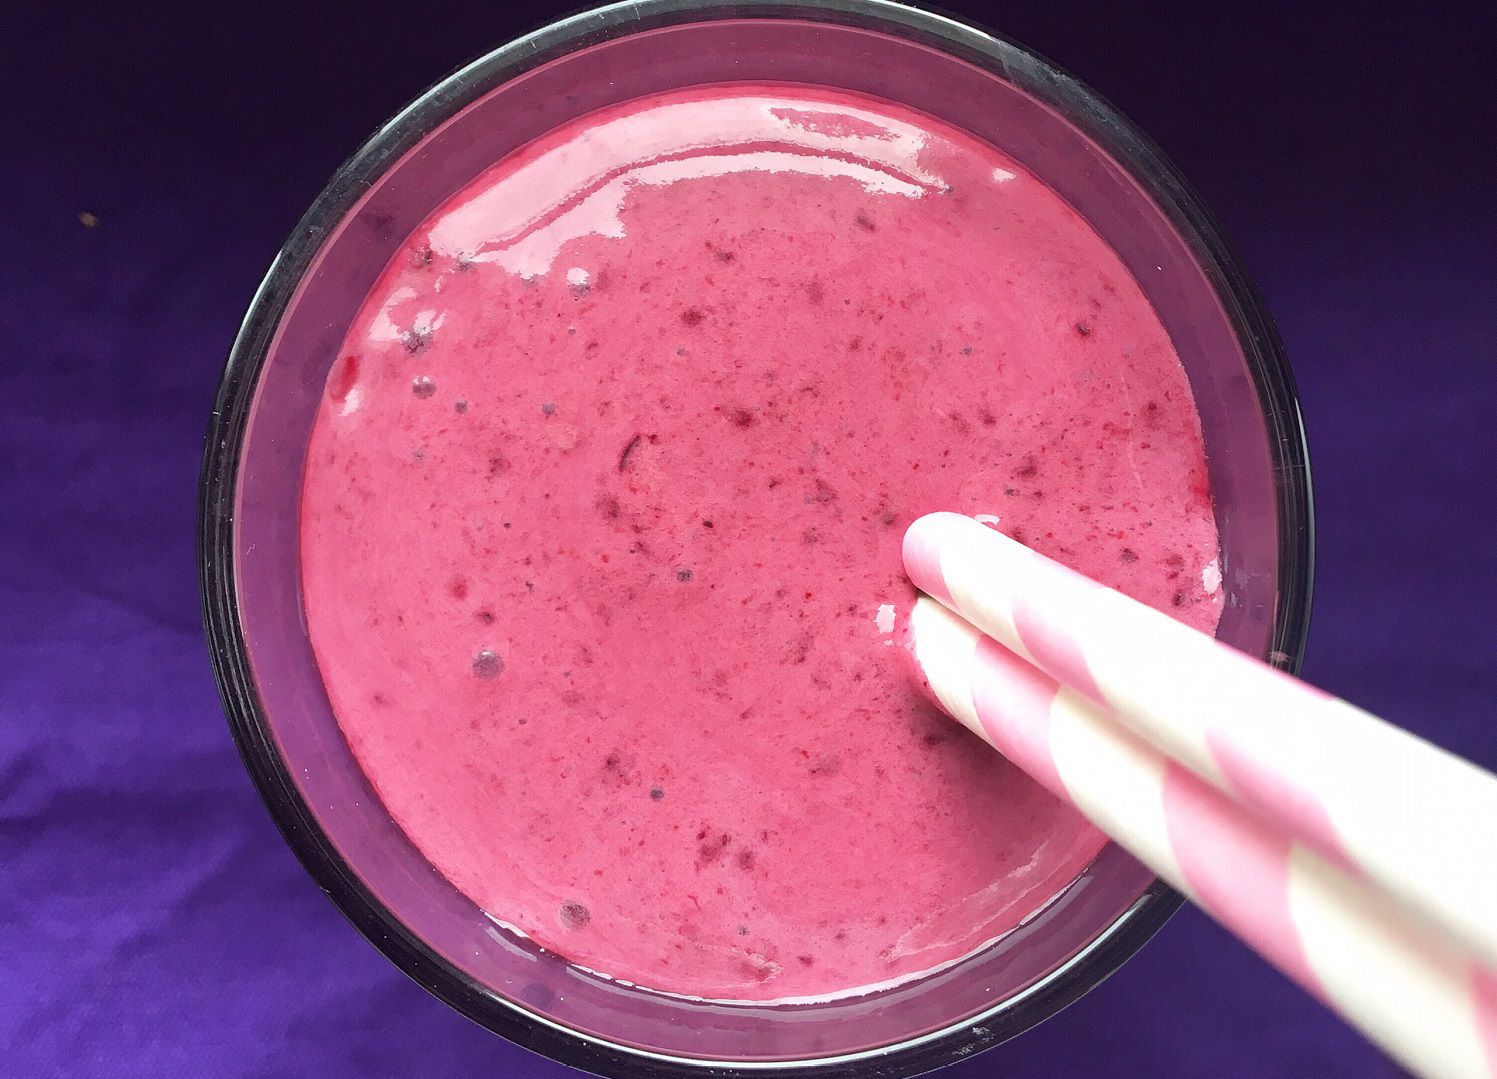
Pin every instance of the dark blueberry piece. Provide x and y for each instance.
(823, 494)
(539, 995)
(828, 764)
(628, 451)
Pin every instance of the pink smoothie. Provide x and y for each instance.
(602, 518)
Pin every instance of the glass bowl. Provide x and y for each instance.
(248, 544)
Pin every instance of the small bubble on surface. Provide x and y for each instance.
(487, 663)
(549, 408)
(415, 339)
(460, 406)
(656, 793)
(423, 387)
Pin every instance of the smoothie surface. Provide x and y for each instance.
(602, 515)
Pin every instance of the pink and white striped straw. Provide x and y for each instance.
(1409, 988)
(1315, 831)
(1419, 822)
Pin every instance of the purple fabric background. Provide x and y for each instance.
(155, 924)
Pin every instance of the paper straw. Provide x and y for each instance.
(1420, 822)
(1409, 989)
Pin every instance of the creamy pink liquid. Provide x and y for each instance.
(602, 519)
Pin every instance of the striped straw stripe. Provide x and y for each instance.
(1365, 794)
(1408, 988)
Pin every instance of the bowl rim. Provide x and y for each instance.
(1133, 151)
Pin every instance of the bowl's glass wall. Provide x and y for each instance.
(1012, 984)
